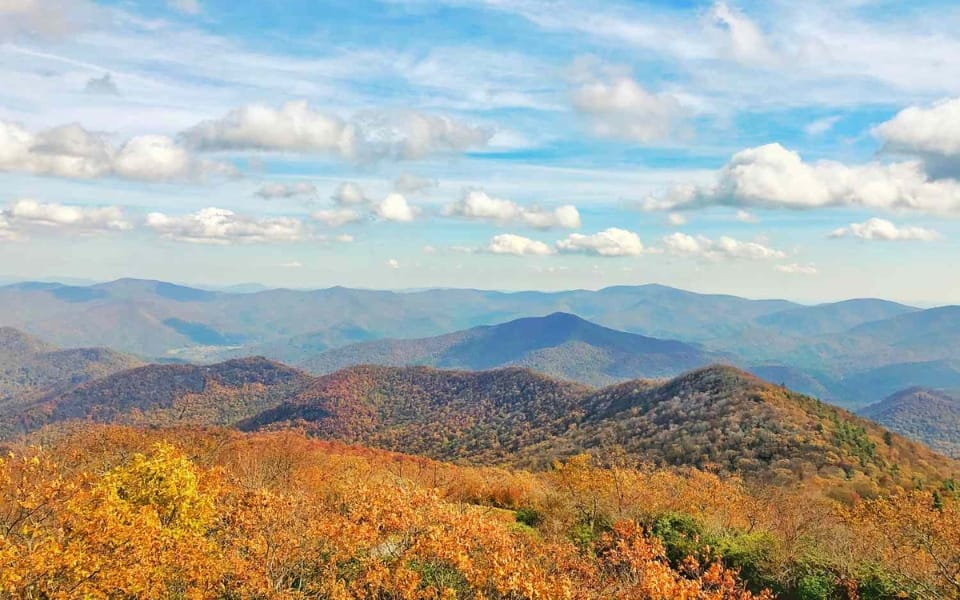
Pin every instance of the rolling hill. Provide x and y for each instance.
(560, 344)
(31, 368)
(718, 417)
(221, 394)
(930, 416)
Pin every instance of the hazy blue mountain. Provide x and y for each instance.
(833, 317)
(926, 415)
(560, 344)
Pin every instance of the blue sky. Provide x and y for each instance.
(803, 150)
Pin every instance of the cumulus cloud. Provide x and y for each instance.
(478, 205)
(797, 269)
(883, 230)
(932, 130)
(336, 217)
(676, 219)
(517, 245)
(618, 107)
(746, 217)
(44, 18)
(372, 135)
(102, 85)
(222, 226)
(73, 152)
(724, 248)
(395, 208)
(610, 242)
(349, 194)
(272, 191)
(393, 263)
(28, 213)
(775, 177)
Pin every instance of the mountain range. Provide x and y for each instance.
(931, 416)
(560, 344)
(851, 353)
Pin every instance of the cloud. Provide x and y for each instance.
(797, 269)
(349, 194)
(517, 245)
(772, 176)
(336, 217)
(395, 208)
(676, 219)
(933, 133)
(222, 226)
(746, 42)
(883, 230)
(610, 242)
(820, 126)
(618, 107)
(71, 151)
(293, 264)
(371, 135)
(190, 7)
(724, 248)
(102, 85)
(393, 263)
(271, 191)
(27, 213)
(480, 206)
(746, 217)
(407, 183)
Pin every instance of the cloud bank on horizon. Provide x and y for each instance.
(742, 147)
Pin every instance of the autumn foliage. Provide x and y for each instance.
(115, 512)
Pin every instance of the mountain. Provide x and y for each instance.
(930, 416)
(221, 394)
(834, 317)
(560, 344)
(153, 318)
(717, 417)
(31, 368)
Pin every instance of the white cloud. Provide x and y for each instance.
(45, 18)
(797, 269)
(73, 152)
(395, 208)
(336, 217)
(27, 213)
(932, 132)
(478, 205)
(746, 42)
(723, 248)
(517, 245)
(610, 242)
(772, 176)
(349, 194)
(883, 230)
(746, 217)
(296, 127)
(222, 226)
(618, 107)
(393, 263)
(271, 191)
(676, 219)
(820, 126)
(293, 264)
(102, 85)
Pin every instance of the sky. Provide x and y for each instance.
(802, 150)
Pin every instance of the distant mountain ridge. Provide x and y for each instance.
(928, 415)
(559, 344)
(852, 352)
(31, 368)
